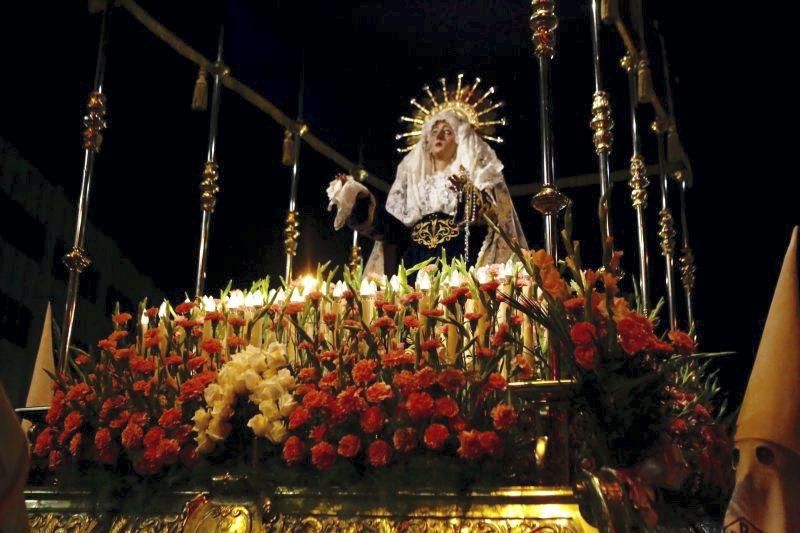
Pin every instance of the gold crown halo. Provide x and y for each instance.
(480, 112)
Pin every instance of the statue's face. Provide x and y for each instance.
(443, 141)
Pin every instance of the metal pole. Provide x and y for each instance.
(291, 232)
(666, 225)
(687, 261)
(549, 201)
(687, 267)
(603, 138)
(638, 184)
(77, 260)
(208, 186)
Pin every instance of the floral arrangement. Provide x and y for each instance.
(369, 371)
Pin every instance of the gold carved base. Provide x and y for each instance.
(512, 509)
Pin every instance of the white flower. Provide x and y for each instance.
(455, 279)
(259, 425)
(285, 378)
(201, 419)
(339, 289)
(276, 355)
(394, 283)
(423, 280)
(209, 304)
(276, 432)
(251, 379)
(235, 299)
(212, 393)
(286, 403)
(269, 409)
(254, 299)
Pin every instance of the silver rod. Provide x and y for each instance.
(210, 174)
(687, 264)
(602, 124)
(667, 233)
(548, 164)
(291, 247)
(639, 183)
(76, 259)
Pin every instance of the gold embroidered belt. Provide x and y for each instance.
(434, 230)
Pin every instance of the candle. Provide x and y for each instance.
(368, 291)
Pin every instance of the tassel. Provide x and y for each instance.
(288, 145)
(645, 85)
(200, 95)
(609, 11)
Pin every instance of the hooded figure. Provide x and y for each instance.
(766, 497)
(444, 185)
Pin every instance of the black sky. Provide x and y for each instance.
(363, 61)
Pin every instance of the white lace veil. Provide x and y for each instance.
(485, 171)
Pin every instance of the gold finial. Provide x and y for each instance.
(94, 122)
(543, 23)
(76, 260)
(209, 187)
(481, 114)
(291, 232)
(687, 268)
(602, 123)
(638, 182)
(666, 231)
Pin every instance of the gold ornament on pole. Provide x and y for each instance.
(209, 186)
(602, 123)
(544, 23)
(291, 233)
(94, 122)
(638, 182)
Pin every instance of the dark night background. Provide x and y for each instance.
(363, 61)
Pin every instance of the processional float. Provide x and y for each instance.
(601, 492)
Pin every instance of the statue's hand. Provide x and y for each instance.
(342, 192)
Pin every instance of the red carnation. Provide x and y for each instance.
(364, 371)
(372, 419)
(213, 316)
(153, 436)
(132, 436)
(293, 308)
(317, 433)
(452, 379)
(73, 422)
(183, 434)
(307, 374)
(435, 436)
(419, 405)
(490, 287)
(329, 381)
(397, 357)
(55, 459)
(78, 393)
(170, 418)
(635, 333)
(446, 407)
(196, 362)
(470, 446)
(317, 399)
(350, 400)
(184, 308)
(349, 446)
(298, 417)
(236, 321)
(168, 451)
(432, 313)
(586, 356)
(405, 439)
(496, 382)
(293, 450)
(44, 442)
(323, 454)
(504, 416)
(501, 335)
(583, 333)
(491, 443)
(378, 392)
(107, 450)
(410, 321)
(379, 453)
(121, 318)
(682, 342)
(211, 346)
(405, 382)
(430, 344)
(425, 377)
(383, 322)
